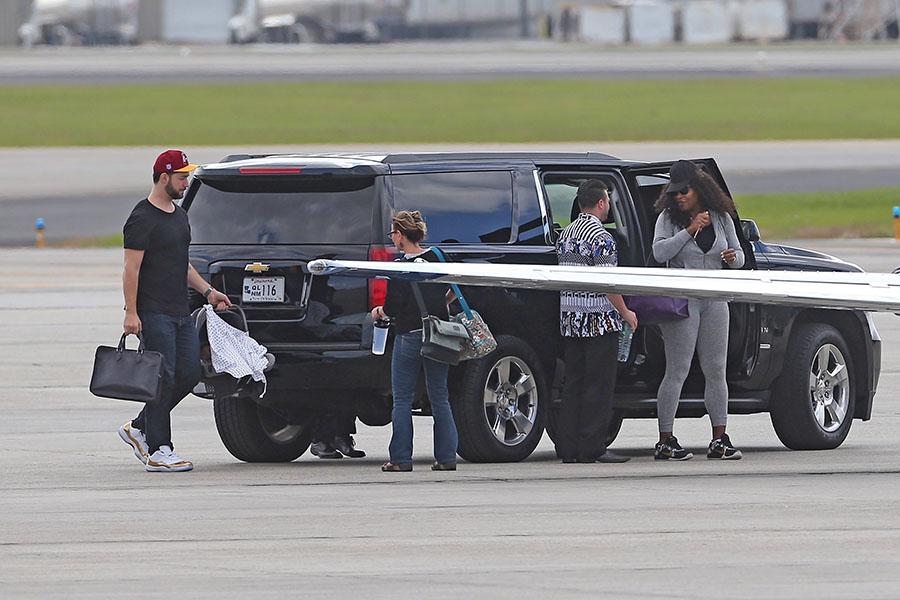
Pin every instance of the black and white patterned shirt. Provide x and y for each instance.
(586, 243)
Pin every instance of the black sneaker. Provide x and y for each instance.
(671, 450)
(324, 450)
(346, 446)
(721, 449)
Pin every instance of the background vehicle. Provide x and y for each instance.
(80, 22)
(297, 21)
(257, 221)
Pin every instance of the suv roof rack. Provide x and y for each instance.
(400, 158)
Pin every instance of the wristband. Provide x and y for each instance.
(207, 292)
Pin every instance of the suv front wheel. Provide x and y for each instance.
(255, 433)
(498, 404)
(813, 400)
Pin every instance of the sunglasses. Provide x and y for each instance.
(392, 232)
(683, 192)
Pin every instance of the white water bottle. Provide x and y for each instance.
(625, 343)
(380, 335)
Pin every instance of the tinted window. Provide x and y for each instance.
(531, 219)
(459, 207)
(285, 210)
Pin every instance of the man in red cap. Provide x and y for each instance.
(157, 274)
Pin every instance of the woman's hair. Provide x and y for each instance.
(709, 194)
(410, 224)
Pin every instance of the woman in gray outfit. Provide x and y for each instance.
(695, 230)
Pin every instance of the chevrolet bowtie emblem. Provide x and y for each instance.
(257, 267)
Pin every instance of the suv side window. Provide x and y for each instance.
(561, 189)
(462, 207)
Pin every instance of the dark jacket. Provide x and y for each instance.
(401, 305)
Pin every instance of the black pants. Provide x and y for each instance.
(338, 423)
(588, 396)
(176, 338)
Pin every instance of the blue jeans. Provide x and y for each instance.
(176, 338)
(406, 364)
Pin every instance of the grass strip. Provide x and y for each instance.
(449, 111)
(104, 241)
(859, 213)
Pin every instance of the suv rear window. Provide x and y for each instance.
(282, 210)
(463, 207)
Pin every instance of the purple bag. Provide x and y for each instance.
(651, 310)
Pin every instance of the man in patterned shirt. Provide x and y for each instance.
(590, 324)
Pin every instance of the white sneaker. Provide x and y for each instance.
(134, 437)
(165, 460)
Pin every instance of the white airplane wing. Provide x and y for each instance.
(854, 291)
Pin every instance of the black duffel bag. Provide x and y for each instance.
(127, 374)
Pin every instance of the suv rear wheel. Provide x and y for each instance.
(255, 433)
(498, 405)
(813, 399)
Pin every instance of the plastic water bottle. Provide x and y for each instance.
(625, 343)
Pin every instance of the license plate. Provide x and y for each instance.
(263, 289)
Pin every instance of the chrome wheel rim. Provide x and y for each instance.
(276, 427)
(510, 400)
(829, 387)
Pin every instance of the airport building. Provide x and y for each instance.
(606, 22)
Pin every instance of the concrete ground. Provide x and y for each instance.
(79, 518)
(447, 60)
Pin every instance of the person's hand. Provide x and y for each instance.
(729, 255)
(698, 222)
(132, 323)
(378, 313)
(218, 300)
(631, 318)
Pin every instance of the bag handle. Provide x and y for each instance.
(140, 337)
(459, 295)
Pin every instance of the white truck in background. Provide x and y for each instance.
(300, 21)
(297, 21)
(80, 22)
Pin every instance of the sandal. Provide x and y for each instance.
(391, 467)
(439, 466)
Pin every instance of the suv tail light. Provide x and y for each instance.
(378, 287)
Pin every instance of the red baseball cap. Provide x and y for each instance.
(172, 161)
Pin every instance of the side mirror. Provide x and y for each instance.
(750, 229)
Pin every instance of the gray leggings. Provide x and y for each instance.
(706, 329)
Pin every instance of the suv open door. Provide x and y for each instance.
(646, 182)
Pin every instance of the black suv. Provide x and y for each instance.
(257, 220)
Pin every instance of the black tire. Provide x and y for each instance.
(551, 418)
(517, 415)
(254, 433)
(814, 416)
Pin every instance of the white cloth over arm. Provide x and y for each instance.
(234, 351)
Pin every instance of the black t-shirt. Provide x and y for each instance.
(706, 237)
(164, 238)
(401, 304)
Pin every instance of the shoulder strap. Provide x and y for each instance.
(423, 310)
(459, 295)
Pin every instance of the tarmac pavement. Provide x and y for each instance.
(440, 60)
(80, 518)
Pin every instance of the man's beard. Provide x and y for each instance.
(173, 194)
